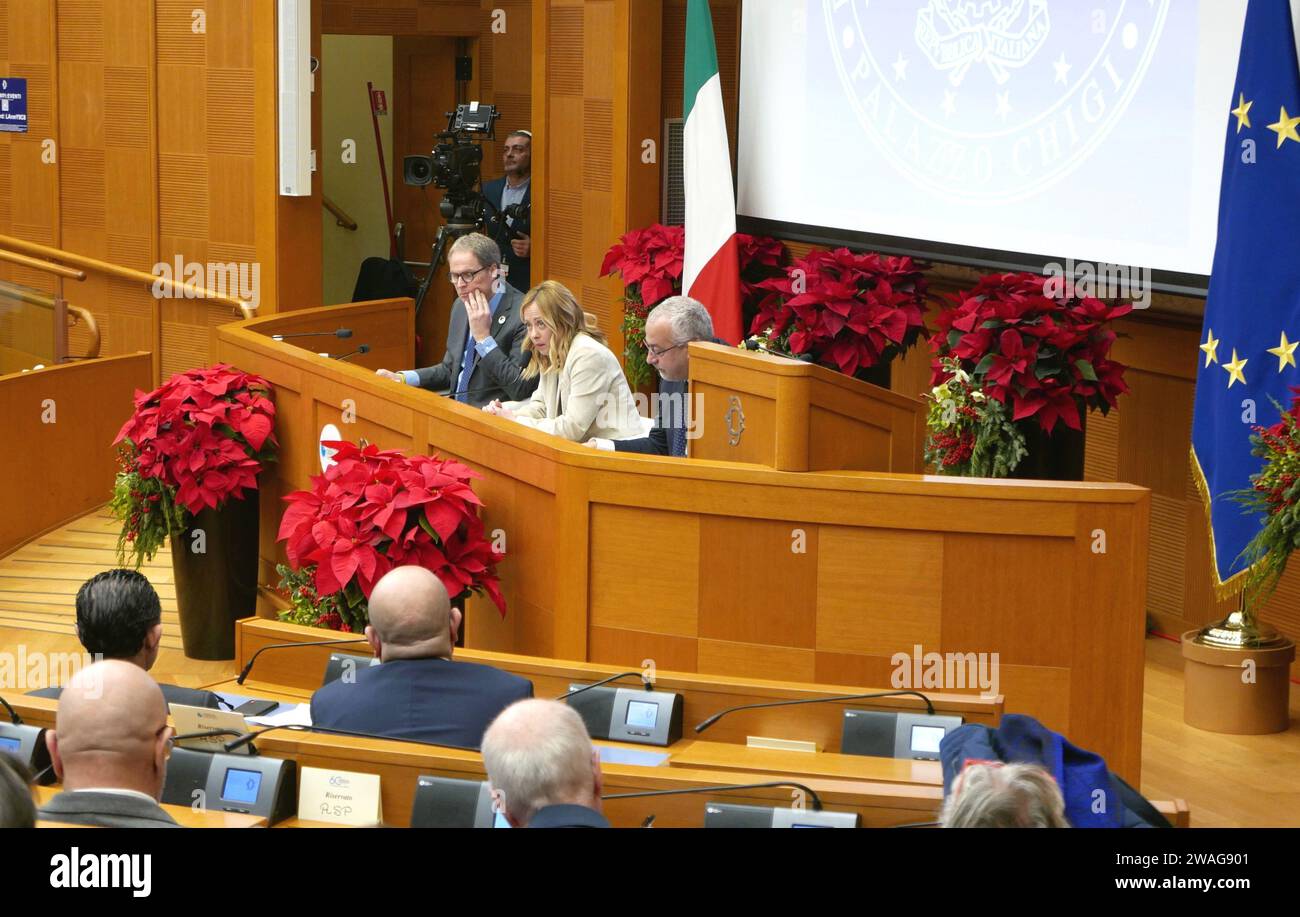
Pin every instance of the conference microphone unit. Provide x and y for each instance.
(813, 700)
(26, 743)
(341, 333)
(231, 783)
(284, 646)
(642, 716)
(360, 351)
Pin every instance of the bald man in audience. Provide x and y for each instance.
(543, 769)
(109, 748)
(418, 692)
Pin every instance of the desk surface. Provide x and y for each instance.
(184, 815)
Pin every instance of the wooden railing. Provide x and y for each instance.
(340, 215)
(173, 287)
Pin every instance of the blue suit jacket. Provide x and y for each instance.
(428, 700)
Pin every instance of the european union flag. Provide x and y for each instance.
(1252, 315)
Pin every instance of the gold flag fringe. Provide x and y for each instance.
(1223, 589)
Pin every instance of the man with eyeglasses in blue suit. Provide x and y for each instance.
(485, 359)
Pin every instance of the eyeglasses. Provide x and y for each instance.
(660, 351)
(465, 276)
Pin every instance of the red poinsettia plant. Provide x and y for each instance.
(760, 259)
(374, 510)
(650, 262)
(195, 442)
(1042, 353)
(848, 311)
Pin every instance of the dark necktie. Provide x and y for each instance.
(677, 441)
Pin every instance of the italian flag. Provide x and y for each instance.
(711, 273)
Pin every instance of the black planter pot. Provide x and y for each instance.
(1058, 457)
(881, 374)
(217, 587)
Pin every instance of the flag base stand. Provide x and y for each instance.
(1237, 688)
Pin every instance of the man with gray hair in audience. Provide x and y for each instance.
(996, 795)
(543, 769)
(669, 329)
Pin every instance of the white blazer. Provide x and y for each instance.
(588, 398)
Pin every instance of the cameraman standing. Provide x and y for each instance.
(513, 233)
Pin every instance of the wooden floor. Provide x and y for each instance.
(1228, 781)
(38, 592)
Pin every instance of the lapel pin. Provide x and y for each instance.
(501, 320)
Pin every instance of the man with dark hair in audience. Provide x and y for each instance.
(119, 616)
(17, 808)
(417, 692)
(543, 769)
(109, 749)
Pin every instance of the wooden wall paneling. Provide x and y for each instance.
(595, 69)
(29, 186)
(424, 89)
(400, 17)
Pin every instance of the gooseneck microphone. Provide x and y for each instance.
(342, 333)
(248, 667)
(695, 790)
(813, 700)
(363, 349)
(646, 682)
(13, 714)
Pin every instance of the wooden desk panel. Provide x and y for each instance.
(184, 816)
(1016, 565)
(297, 672)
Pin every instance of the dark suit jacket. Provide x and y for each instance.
(428, 700)
(499, 375)
(670, 417)
(566, 816)
(519, 267)
(105, 810)
(173, 694)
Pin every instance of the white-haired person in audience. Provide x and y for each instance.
(582, 393)
(995, 795)
(543, 769)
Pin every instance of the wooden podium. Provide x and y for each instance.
(796, 416)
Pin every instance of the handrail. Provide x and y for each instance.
(92, 328)
(41, 301)
(65, 272)
(339, 214)
(125, 273)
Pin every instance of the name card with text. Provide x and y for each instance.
(343, 797)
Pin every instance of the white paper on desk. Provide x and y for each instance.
(295, 715)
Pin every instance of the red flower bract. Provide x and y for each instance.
(650, 259)
(207, 433)
(849, 311)
(375, 510)
(1045, 356)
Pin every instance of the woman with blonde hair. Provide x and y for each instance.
(582, 393)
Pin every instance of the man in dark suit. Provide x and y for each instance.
(669, 329)
(119, 616)
(485, 359)
(515, 187)
(109, 749)
(417, 692)
(543, 769)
